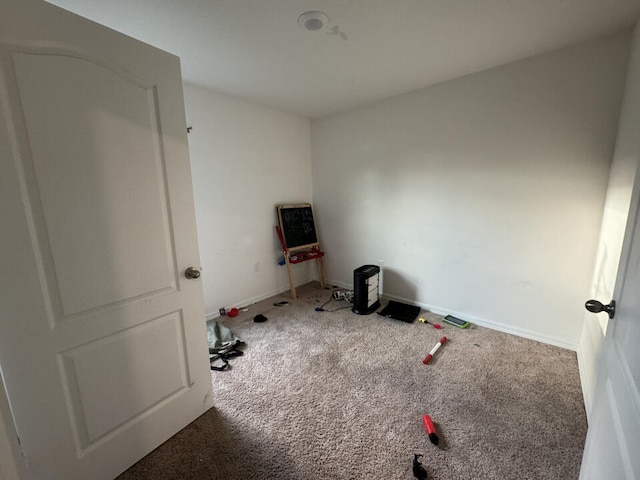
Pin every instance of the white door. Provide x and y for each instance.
(612, 448)
(102, 337)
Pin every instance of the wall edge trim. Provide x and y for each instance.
(500, 327)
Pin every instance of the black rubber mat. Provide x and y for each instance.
(400, 311)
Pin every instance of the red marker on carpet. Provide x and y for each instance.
(431, 429)
(434, 350)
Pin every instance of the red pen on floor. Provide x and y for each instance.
(431, 429)
(434, 325)
(434, 350)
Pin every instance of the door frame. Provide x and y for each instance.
(13, 463)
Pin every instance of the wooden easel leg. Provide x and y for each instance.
(320, 271)
(291, 284)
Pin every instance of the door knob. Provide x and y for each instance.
(596, 307)
(192, 273)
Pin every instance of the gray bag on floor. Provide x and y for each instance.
(223, 344)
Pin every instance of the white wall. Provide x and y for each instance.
(245, 159)
(616, 209)
(483, 195)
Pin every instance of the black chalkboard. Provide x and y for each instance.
(298, 227)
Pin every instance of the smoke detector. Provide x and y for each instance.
(313, 21)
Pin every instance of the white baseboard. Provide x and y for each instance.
(585, 381)
(501, 327)
(339, 284)
(263, 296)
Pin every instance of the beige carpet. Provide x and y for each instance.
(322, 395)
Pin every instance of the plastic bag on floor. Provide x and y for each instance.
(223, 344)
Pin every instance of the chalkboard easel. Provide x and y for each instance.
(297, 234)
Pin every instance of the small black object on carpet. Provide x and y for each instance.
(400, 311)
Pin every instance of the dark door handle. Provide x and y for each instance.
(192, 273)
(596, 307)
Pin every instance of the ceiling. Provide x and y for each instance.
(369, 50)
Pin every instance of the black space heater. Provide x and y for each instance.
(366, 280)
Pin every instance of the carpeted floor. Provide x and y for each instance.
(321, 395)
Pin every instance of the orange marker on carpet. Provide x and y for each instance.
(434, 350)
